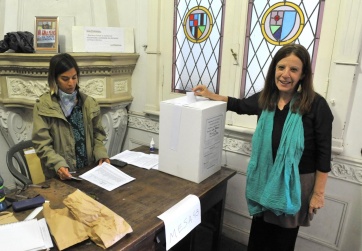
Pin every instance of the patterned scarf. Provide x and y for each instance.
(67, 101)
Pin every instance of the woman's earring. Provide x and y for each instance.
(299, 87)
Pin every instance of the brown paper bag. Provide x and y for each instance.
(33, 161)
(7, 217)
(66, 230)
(104, 226)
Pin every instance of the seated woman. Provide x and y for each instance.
(67, 129)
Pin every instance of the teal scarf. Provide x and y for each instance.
(275, 186)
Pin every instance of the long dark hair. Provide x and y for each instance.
(59, 64)
(304, 89)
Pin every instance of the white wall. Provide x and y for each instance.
(338, 225)
(342, 80)
(19, 15)
(139, 21)
(353, 142)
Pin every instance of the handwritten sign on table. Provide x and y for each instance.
(180, 219)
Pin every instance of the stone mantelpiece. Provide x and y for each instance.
(105, 76)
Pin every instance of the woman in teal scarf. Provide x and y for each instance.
(291, 150)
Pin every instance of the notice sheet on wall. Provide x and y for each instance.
(102, 39)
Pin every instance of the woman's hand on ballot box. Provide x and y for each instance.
(201, 90)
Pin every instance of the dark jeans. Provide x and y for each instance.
(269, 237)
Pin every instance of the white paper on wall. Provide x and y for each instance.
(102, 39)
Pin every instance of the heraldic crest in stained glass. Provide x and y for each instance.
(198, 24)
(282, 23)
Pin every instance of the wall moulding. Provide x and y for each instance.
(348, 169)
(143, 123)
(25, 75)
(334, 212)
(105, 76)
(239, 142)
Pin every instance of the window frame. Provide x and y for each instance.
(235, 21)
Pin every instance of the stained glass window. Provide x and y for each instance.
(197, 44)
(198, 35)
(272, 24)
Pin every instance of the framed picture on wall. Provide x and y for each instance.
(46, 34)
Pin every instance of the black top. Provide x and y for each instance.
(317, 126)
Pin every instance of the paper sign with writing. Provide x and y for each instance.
(102, 39)
(180, 219)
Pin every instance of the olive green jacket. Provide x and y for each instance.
(53, 136)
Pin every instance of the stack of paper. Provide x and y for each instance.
(139, 159)
(34, 235)
(107, 176)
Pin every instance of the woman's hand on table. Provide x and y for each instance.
(63, 173)
(103, 160)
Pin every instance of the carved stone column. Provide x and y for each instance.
(104, 76)
(115, 123)
(15, 124)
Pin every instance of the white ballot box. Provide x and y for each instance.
(191, 137)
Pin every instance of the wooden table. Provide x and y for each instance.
(142, 200)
